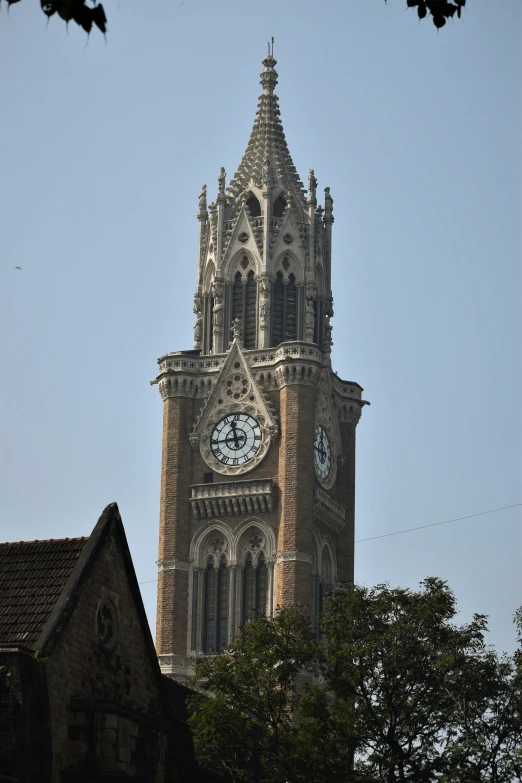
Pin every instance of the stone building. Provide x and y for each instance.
(92, 705)
(258, 461)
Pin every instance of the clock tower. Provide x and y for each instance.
(258, 462)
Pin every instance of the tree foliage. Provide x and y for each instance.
(440, 10)
(393, 691)
(80, 12)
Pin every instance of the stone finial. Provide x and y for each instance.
(312, 183)
(328, 205)
(269, 74)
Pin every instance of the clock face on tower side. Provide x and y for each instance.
(322, 453)
(235, 439)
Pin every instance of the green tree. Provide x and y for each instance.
(81, 12)
(393, 691)
(439, 10)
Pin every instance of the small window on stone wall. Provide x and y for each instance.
(107, 623)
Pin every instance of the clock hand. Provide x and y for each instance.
(236, 441)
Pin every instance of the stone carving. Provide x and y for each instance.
(265, 285)
(198, 303)
(218, 294)
(198, 331)
(312, 185)
(328, 205)
(266, 177)
(173, 565)
(107, 623)
(221, 181)
(237, 330)
(203, 202)
(327, 342)
(310, 313)
(291, 555)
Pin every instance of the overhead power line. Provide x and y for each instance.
(410, 529)
(434, 524)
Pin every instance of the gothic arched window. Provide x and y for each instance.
(248, 589)
(255, 587)
(216, 592)
(237, 298)
(291, 309)
(324, 582)
(254, 206)
(262, 586)
(278, 309)
(284, 305)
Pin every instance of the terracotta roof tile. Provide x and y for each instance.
(32, 577)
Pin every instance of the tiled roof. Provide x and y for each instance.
(32, 577)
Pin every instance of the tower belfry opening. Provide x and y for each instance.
(255, 404)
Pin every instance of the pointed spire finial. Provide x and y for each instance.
(269, 74)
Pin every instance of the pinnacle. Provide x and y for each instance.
(267, 145)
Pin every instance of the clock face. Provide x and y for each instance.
(322, 453)
(235, 439)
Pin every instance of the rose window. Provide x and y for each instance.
(237, 387)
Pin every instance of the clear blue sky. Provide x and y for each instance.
(104, 151)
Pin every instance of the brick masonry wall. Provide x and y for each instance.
(174, 526)
(80, 670)
(296, 481)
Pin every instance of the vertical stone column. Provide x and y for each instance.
(172, 604)
(296, 481)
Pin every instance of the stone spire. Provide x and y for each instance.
(267, 147)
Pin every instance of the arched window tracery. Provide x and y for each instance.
(237, 297)
(216, 585)
(255, 587)
(250, 312)
(244, 305)
(324, 581)
(284, 306)
(278, 309)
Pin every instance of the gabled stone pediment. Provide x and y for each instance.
(282, 244)
(236, 243)
(235, 392)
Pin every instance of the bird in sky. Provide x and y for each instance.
(18, 267)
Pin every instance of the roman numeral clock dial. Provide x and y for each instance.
(235, 439)
(322, 453)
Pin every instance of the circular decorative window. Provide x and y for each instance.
(288, 239)
(107, 623)
(243, 237)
